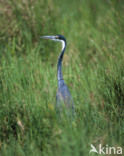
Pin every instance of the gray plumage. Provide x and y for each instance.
(64, 100)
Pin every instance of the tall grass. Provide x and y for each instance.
(92, 68)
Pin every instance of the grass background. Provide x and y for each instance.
(92, 68)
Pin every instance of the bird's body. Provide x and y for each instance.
(63, 97)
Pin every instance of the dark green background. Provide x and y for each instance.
(93, 68)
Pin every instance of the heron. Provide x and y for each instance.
(63, 96)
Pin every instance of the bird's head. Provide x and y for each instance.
(55, 38)
(59, 38)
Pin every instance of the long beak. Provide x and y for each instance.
(49, 37)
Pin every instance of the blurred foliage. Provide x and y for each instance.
(92, 68)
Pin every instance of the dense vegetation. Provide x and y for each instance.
(93, 68)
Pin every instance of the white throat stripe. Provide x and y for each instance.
(63, 44)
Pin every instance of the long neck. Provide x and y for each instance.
(59, 66)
